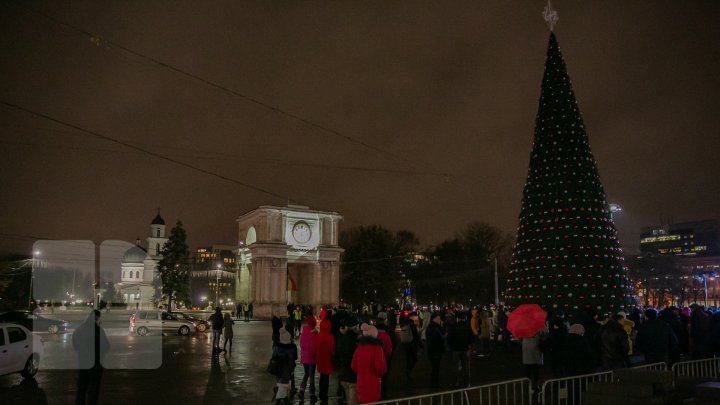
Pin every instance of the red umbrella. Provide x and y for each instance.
(526, 320)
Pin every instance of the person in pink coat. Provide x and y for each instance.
(308, 337)
(325, 357)
(369, 364)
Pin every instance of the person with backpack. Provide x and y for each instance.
(285, 353)
(410, 340)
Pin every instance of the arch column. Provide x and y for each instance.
(268, 278)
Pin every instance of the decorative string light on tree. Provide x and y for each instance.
(567, 254)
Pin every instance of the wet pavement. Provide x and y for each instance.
(188, 373)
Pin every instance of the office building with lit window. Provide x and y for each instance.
(212, 281)
(680, 264)
(689, 239)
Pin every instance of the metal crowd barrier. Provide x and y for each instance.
(662, 366)
(513, 392)
(570, 390)
(557, 391)
(709, 368)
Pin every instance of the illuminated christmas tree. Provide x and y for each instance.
(567, 254)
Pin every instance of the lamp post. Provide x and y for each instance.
(613, 208)
(705, 275)
(217, 283)
(36, 254)
(497, 286)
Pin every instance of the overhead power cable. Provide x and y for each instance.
(97, 40)
(227, 157)
(146, 151)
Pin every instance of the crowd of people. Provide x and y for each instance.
(359, 346)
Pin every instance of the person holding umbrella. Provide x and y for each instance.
(527, 322)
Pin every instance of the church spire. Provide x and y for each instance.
(158, 219)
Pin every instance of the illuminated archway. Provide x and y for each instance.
(288, 254)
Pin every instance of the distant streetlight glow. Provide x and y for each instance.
(613, 209)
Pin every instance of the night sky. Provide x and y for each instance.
(412, 115)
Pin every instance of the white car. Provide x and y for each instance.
(20, 350)
(144, 322)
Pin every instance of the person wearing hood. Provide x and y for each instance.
(325, 357)
(286, 353)
(308, 337)
(368, 363)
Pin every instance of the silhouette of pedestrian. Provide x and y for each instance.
(91, 344)
(217, 327)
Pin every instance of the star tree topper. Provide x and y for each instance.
(550, 15)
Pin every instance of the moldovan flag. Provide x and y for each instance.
(291, 284)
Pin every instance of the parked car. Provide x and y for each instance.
(35, 323)
(144, 322)
(20, 350)
(200, 324)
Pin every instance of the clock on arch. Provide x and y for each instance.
(301, 232)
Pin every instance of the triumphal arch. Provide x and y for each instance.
(288, 254)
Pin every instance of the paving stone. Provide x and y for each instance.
(622, 389)
(708, 390)
(593, 398)
(633, 376)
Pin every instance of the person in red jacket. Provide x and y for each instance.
(308, 338)
(325, 358)
(369, 364)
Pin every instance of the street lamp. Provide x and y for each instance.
(35, 259)
(497, 285)
(217, 283)
(613, 209)
(705, 275)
